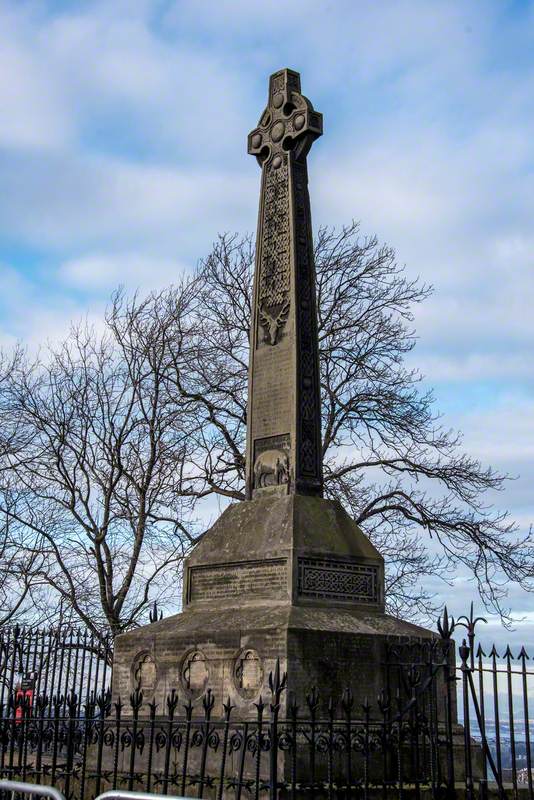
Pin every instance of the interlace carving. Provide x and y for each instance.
(309, 411)
(275, 265)
(340, 580)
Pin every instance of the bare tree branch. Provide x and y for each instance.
(111, 445)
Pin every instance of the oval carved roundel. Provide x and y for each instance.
(194, 674)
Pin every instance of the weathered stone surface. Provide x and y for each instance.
(250, 598)
(284, 419)
(302, 549)
(286, 575)
(317, 648)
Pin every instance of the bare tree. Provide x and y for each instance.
(120, 441)
(18, 587)
(92, 490)
(397, 470)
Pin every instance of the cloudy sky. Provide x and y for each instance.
(123, 153)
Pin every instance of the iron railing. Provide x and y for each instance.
(133, 745)
(405, 742)
(55, 662)
(497, 698)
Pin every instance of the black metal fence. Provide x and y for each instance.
(404, 743)
(497, 699)
(36, 663)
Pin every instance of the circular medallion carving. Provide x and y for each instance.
(277, 131)
(144, 673)
(256, 140)
(248, 674)
(194, 674)
(278, 100)
(299, 122)
(277, 161)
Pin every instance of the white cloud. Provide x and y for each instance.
(102, 71)
(503, 432)
(132, 270)
(75, 202)
(33, 316)
(34, 115)
(472, 366)
(122, 154)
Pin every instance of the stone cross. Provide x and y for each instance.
(284, 416)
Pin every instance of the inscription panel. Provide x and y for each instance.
(273, 392)
(258, 579)
(326, 578)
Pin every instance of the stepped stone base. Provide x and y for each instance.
(279, 577)
(234, 651)
(287, 578)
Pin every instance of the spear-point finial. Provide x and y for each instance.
(155, 615)
(445, 626)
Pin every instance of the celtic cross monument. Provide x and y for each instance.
(286, 575)
(284, 415)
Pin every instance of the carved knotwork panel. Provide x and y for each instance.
(280, 81)
(309, 411)
(325, 578)
(275, 264)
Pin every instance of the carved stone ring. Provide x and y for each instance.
(289, 123)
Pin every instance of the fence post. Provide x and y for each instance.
(523, 656)
(136, 701)
(464, 651)
(260, 706)
(347, 704)
(103, 703)
(188, 708)
(227, 712)
(293, 715)
(312, 701)
(72, 707)
(446, 628)
(208, 702)
(277, 684)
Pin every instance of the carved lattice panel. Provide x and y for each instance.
(275, 257)
(326, 578)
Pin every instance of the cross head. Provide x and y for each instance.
(289, 123)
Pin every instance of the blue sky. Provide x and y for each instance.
(123, 154)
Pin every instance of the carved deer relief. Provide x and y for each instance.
(272, 323)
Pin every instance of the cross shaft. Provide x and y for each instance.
(284, 419)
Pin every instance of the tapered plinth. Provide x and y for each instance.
(289, 578)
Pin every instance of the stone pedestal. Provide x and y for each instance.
(279, 577)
